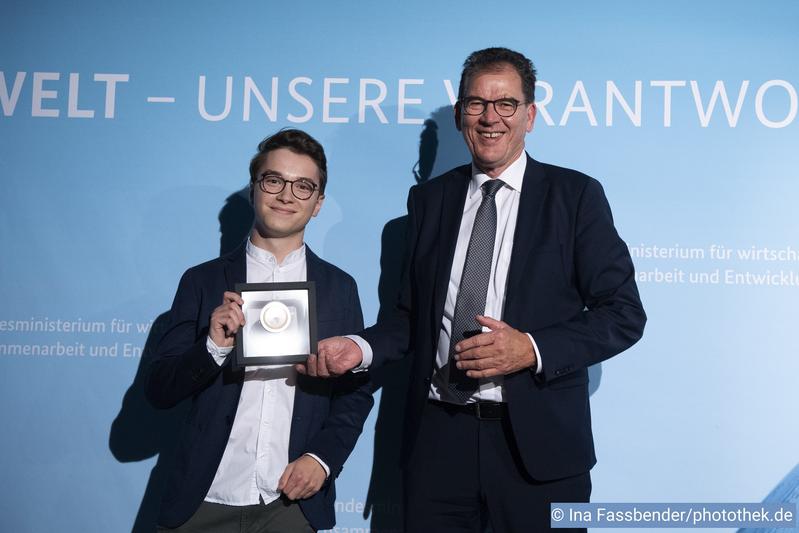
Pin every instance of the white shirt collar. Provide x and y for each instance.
(513, 176)
(265, 257)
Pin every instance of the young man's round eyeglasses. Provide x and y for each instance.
(301, 188)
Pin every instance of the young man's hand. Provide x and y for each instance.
(226, 320)
(302, 478)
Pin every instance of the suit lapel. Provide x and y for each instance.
(313, 265)
(234, 271)
(304, 399)
(454, 196)
(236, 267)
(534, 193)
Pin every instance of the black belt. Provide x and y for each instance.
(480, 410)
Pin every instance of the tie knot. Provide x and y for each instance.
(491, 187)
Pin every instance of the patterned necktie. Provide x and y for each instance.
(474, 286)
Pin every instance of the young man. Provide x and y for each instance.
(262, 446)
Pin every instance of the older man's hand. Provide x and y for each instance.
(336, 356)
(499, 352)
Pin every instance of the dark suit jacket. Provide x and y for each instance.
(328, 415)
(571, 285)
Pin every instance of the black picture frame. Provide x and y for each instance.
(248, 352)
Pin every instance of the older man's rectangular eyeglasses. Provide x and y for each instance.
(505, 107)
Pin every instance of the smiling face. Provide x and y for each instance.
(282, 215)
(494, 141)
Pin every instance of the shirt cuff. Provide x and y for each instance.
(539, 367)
(322, 463)
(218, 353)
(366, 353)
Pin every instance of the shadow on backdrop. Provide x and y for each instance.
(441, 148)
(141, 431)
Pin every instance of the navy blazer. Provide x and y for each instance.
(571, 284)
(328, 414)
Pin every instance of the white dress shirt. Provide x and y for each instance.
(507, 200)
(258, 447)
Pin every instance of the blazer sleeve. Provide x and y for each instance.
(350, 403)
(390, 338)
(181, 366)
(613, 317)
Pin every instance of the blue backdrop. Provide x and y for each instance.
(125, 135)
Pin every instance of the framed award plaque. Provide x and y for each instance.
(279, 323)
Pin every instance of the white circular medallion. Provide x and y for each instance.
(275, 317)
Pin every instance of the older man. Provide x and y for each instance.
(516, 282)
